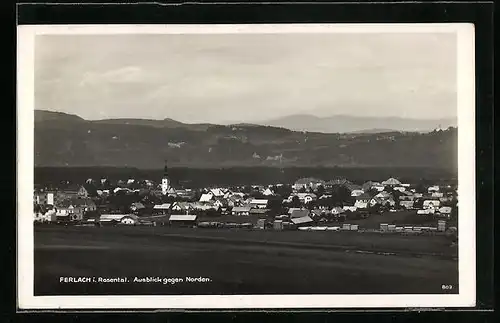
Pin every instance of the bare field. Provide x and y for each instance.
(240, 261)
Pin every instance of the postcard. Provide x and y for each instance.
(259, 166)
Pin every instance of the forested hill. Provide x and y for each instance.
(68, 140)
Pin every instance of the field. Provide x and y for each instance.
(240, 262)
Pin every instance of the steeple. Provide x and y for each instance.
(165, 169)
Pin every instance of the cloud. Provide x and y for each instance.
(127, 74)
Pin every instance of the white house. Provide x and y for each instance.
(259, 203)
(391, 182)
(217, 192)
(308, 182)
(362, 201)
(400, 188)
(206, 197)
(357, 192)
(303, 197)
(431, 204)
(268, 192)
(408, 204)
(349, 208)
(241, 210)
(445, 210)
(337, 211)
(434, 188)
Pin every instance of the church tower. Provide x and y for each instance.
(165, 182)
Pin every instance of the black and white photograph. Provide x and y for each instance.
(246, 166)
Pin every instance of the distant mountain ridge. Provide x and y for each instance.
(68, 140)
(349, 124)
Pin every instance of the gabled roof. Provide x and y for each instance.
(391, 181)
(364, 196)
(337, 181)
(138, 205)
(241, 209)
(301, 220)
(259, 201)
(299, 213)
(308, 180)
(206, 197)
(90, 188)
(183, 217)
(258, 211)
(164, 206)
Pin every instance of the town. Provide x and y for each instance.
(308, 204)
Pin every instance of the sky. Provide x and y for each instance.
(229, 78)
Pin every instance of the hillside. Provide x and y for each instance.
(65, 140)
(346, 124)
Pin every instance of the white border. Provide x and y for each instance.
(466, 178)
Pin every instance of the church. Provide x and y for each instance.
(166, 187)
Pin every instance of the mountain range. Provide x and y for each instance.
(349, 124)
(69, 140)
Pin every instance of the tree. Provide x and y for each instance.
(320, 190)
(295, 202)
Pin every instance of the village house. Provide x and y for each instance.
(207, 197)
(44, 198)
(407, 204)
(337, 211)
(44, 213)
(268, 192)
(297, 213)
(362, 201)
(74, 209)
(180, 207)
(259, 203)
(368, 185)
(391, 182)
(336, 182)
(88, 190)
(183, 220)
(357, 192)
(444, 210)
(303, 197)
(258, 211)
(302, 221)
(437, 194)
(307, 183)
(161, 208)
(431, 204)
(137, 206)
(241, 210)
(433, 189)
(382, 201)
(350, 208)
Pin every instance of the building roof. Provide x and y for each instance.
(217, 192)
(337, 181)
(241, 209)
(138, 205)
(363, 196)
(164, 206)
(337, 209)
(206, 197)
(183, 217)
(391, 181)
(352, 187)
(308, 180)
(259, 201)
(259, 211)
(299, 213)
(301, 220)
(90, 188)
